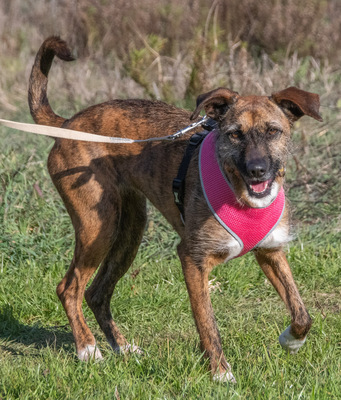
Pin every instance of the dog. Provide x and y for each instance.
(104, 188)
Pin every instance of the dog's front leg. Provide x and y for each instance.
(196, 277)
(277, 269)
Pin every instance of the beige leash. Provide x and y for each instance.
(62, 133)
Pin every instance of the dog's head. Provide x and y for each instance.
(254, 136)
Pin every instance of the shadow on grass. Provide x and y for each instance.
(36, 336)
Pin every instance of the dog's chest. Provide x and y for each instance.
(277, 238)
(229, 245)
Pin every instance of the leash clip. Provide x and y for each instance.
(181, 132)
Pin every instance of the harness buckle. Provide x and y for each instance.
(197, 138)
(209, 124)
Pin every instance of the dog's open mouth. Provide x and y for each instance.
(259, 188)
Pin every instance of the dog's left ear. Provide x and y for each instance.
(296, 102)
(216, 103)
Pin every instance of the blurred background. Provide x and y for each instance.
(172, 50)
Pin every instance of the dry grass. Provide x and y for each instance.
(172, 50)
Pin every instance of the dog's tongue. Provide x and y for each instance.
(259, 187)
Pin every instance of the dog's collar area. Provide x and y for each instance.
(248, 225)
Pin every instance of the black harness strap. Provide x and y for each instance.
(179, 182)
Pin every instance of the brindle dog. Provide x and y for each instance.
(105, 186)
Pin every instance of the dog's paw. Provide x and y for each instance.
(90, 352)
(226, 376)
(129, 349)
(289, 342)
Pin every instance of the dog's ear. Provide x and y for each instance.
(296, 102)
(215, 103)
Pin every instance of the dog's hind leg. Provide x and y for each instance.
(115, 265)
(276, 268)
(95, 214)
(70, 290)
(92, 244)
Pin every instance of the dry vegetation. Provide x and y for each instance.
(173, 50)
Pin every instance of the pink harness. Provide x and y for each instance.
(249, 226)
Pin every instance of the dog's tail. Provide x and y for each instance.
(40, 108)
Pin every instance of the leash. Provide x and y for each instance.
(63, 133)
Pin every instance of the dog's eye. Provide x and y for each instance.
(235, 134)
(273, 131)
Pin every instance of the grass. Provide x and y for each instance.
(37, 356)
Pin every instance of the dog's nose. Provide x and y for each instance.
(256, 168)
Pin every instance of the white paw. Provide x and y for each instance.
(226, 376)
(289, 342)
(90, 352)
(127, 349)
(131, 348)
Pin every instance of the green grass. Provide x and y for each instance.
(37, 356)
